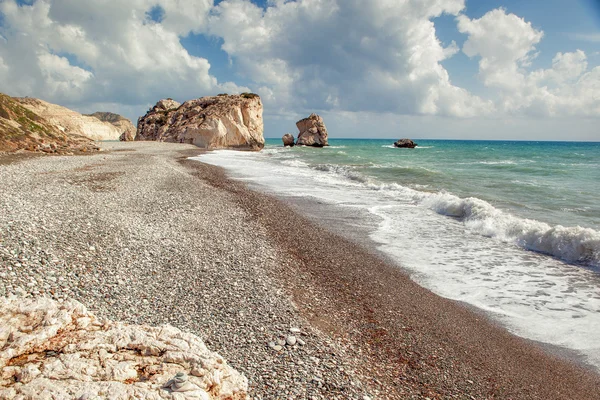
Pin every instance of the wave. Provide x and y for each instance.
(572, 244)
(575, 245)
(342, 171)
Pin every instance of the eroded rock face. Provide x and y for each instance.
(288, 139)
(60, 350)
(22, 129)
(224, 121)
(71, 122)
(121, 123)
(312, 132)
(406, 143)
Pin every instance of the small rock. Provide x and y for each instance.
(277, 347)
(291, 340)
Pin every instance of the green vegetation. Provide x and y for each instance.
(249, 95)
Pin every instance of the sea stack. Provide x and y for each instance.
(405, 143)
(288, 140)
(312, 132)
(214, 122)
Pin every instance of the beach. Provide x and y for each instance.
(140, 233)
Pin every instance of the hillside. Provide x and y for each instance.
(20, 128)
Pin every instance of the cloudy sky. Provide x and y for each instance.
(475, 69)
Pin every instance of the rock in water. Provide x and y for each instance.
(224, 121)
(312, 132)
(407, 143)
(61, 351)
(288, 139)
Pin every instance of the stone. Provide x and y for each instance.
(405, 143)
(67, 352)
(288, 140)
(312, 132)
(217, 122)
(291, 340)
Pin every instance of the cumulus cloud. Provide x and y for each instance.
(506, 45)
(349, 55)
(377, 56)
(80, 52)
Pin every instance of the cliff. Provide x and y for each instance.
(123, 125)
(22, 129)
(71, 122)
(62, 351)
(224, 121)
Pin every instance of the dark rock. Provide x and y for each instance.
(288, 139)
(406, 143)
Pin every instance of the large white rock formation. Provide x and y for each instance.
(71, 122)
(51, 350)
(224, 121)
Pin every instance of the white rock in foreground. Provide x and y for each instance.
(51, 350)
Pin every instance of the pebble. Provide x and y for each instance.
(186, 250)
(290, 340)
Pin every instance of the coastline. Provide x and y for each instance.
(239, 267)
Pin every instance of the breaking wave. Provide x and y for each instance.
(576, 245)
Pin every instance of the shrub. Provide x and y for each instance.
(249, 95)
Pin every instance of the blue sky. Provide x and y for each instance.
(439, 69)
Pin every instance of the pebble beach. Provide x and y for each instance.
(141, 234)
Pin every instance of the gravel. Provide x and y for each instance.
(140, 235)
(135, 236)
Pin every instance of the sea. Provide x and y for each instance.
(509, 227)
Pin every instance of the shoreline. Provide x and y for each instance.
(540, 360)
(175, 240)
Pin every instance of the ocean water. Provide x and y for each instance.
(512, 228)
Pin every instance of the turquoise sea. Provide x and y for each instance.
(510, 227)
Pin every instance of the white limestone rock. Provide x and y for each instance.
(60, 350)
(71, 122)
(224, 121)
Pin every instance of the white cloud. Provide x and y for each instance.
(349, 55)
(506, 44)
(344, 56)
(84, 52)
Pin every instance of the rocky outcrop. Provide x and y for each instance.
(122, 124)
(312, 132)
(406, 143)
(217, 122)
(61, 351)
(71, 122)
(288, 140)
(22, 129)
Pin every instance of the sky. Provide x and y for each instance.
(460, 69)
